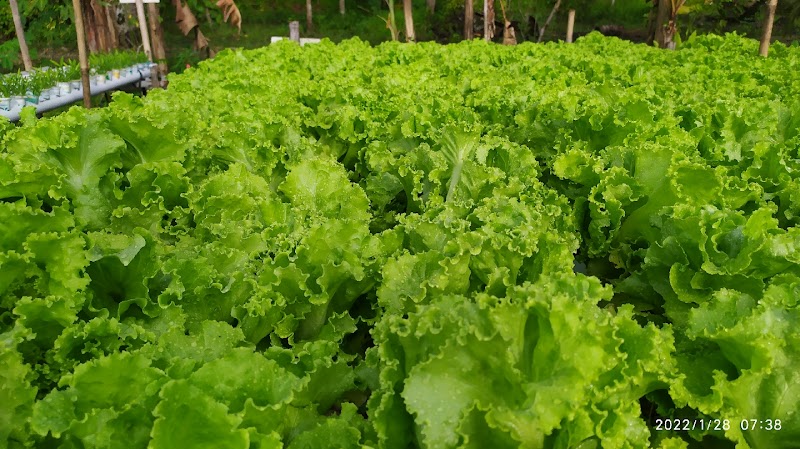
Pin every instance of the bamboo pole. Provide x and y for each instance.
(143, 29)
(469, 17)
(82, 57)
(570, 25)
(409, 19)
(763, 49)
(23, 44)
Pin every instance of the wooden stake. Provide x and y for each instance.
(309, 17)
(766, 38)
(143, 29)
(488, 20)
(469, 16)
(84, 60)
(407, 11)
(570, 25)
(23, 45)
(294, 31)
(341, 7)
(431, 5)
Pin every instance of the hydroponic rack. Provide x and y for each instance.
(137, 76)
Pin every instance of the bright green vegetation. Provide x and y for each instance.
(344, 246)
(65, 71)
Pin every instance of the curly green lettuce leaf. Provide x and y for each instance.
(511, 358)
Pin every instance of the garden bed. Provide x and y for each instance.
(341, 246)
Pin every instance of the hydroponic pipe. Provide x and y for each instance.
(77, 95)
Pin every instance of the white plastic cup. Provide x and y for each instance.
(31, 99)
(64, 88)
(17, 102)
(5, 104)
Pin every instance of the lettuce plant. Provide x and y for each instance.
(412, 246)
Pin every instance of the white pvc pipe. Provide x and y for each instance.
(77, 94)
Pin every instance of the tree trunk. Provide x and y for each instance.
(157, 38)
(431, 6)
(766, 38)
(309, 17)
(113, 31)
(469, 17)
(95, 37)
(23, 45)
(101, 29)
(92, 39)
(663, 31)
(341, 7)
(409, 19)
(488, 20)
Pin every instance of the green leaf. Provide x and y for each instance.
(187, 417)
(243, 375)
(17, 396)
